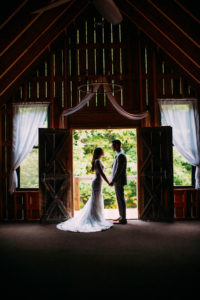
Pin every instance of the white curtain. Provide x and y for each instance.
(26, 121)
(183, 117)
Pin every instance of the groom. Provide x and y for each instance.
(119, 179)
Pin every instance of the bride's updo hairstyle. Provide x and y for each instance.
(97, 153)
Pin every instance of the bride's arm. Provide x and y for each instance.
(101, 171)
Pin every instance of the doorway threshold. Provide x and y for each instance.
(113, 213)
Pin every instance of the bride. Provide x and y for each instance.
(91, 217)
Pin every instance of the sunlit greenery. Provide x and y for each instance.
(182, 169)
(28, 171)
(85, 141)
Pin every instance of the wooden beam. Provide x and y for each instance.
(42, 43)
(157, 37)
(29, 38)
(5, 46)
(177, 16)
(168, 30)
(156, 110)
(16, 26)
(101, 119)
(187, 11)
(13, 14)
(142, 106)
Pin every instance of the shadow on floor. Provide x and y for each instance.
(143, 259)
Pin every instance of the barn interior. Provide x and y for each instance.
(99, 65)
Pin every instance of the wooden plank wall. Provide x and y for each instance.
(90, 47)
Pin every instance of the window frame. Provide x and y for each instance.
(34, 147)
(192, 169)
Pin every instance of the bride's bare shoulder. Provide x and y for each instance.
(97, 162)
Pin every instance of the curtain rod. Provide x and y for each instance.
(31, 103)
(178, 99)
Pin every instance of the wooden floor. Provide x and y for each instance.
(131, 213)
(141, 260)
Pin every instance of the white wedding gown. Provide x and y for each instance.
(91, 217)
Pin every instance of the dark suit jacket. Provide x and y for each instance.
(119, 170)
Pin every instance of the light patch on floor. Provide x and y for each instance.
(131, 213)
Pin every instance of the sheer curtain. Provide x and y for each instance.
(183, 117)
(27, 118)
(111, 98)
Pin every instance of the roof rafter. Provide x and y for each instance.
(41, 44)
(135, 12)
(158, 21)
(177, 17)
(168, 30)
(13, 14)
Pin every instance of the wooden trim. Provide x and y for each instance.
(174, 99)
(51, 94)
(187, 11)
(31, 102)
(13, 14)
(140, 76)
(156, 110)
(174, 23)
(71, 192)
(186, 203)
(19, 35)
(1, 160)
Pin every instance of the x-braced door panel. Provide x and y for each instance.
(55, 174)
(155, 173)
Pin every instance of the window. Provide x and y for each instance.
(183, 171)
(28, 172)
(180, 114)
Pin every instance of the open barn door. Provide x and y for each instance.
(55, 174)
(155, 173)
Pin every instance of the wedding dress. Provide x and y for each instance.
(91, 217)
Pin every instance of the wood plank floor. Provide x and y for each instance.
(139, 260)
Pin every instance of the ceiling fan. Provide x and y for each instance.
(107, 8)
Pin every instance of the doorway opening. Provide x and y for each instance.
(84, 143)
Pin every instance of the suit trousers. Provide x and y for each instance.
(119, 191)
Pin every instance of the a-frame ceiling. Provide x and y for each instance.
(26, 36)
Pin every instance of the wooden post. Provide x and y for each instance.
(76, 193)
(156, 109)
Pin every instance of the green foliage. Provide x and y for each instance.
(182, 169)
(85, 141)
(29, 171)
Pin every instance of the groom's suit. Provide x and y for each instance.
(119, 179)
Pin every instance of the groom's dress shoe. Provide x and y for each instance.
(121, 222)
(116, 219)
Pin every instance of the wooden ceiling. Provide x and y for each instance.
(172, 24)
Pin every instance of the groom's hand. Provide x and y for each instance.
(111, 183)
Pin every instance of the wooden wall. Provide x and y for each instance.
(90, 47)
